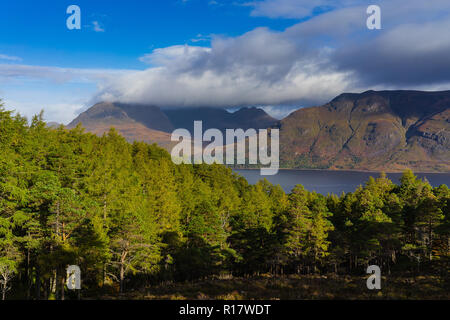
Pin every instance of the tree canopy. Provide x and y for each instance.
(127, 215)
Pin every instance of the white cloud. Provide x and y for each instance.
(259, 67)
(176, 57)
(296, 9)
(60, 112)
(201, 38)
(10, 58)
(97, 27)
(57, 74)
(161, 87)
(279, 112)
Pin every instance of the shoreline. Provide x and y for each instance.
(348, 170)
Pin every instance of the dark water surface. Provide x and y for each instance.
(324, 182)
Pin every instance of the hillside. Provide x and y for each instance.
(134, 122)
(386, 130)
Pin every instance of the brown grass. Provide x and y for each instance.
(294, 288)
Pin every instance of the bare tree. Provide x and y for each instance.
(7, 271)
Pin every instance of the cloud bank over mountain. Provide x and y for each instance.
(305, 64)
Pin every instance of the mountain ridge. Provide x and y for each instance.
(148, 123)
(244, 118)
(373, 130)
(388, 130)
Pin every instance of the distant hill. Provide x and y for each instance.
(134, 122)
(386, 130)
(53, 124)
(221, 119)
(149, 116)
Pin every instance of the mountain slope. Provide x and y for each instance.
(149, 116)
(134, 122)
(386, 130)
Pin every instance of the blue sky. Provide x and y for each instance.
(36, 30)
(34, 33)
(280, 54)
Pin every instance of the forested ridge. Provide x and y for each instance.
(130, 218)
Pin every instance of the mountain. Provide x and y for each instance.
(53, 124)
(374, 130)
(221, 119)
(152, 125)
(385, 130)
(135, 122)
(149, 116)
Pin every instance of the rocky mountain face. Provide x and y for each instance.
(386, 130)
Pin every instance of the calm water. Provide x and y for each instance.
(324, 182)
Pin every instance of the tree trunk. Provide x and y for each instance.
(54, 282)
(57, 218)
(38, 283)
(122, 268)
(28, 273)
(104, 209)
(430, 241)
(121, 277)
(62, 287)
(104, 274)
